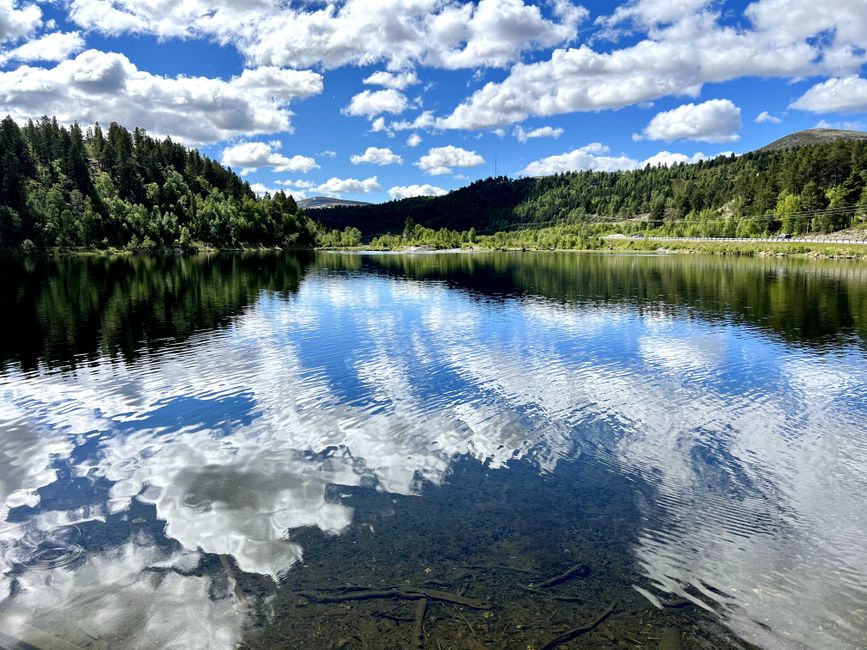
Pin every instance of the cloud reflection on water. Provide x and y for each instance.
(754, 450)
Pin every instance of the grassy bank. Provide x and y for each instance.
(757, 248)
(829, 250)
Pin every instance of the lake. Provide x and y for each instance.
(493, 450)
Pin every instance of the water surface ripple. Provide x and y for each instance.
(179, 438)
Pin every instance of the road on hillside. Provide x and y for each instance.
(755, 240)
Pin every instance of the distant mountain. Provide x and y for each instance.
(320, 202)
(813, 136)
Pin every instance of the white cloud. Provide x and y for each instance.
(424, 120)
(399, 80)
(676, 59)
(259, 189)
(56, 46)
(596, 157)
(15, 22)
(667, 159)
(413, 140)
(541, 132)
(105, 87)
(764, 116)
(648, 14)
(355, 32)
(492, 32)
(838, 95)
(298, 183)
(349, 186)
(790, 20)
(441, 160)
(589, 157)
(374, 102)
(328, 153)
(405, 192)
(377, 156)
(716, 120)
(852, 125)
(250, 156)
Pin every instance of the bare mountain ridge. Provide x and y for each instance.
(322, 202)
(813, 136)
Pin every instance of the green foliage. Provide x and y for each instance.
(488, 205)
(60, 187)
(810, 188)
(71, 310)
(349, 237)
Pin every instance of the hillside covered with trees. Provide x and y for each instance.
(819, 188)
(67, 188)
(62, 187)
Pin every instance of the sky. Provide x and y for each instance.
(375, 100)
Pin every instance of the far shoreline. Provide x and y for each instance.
(756, 248)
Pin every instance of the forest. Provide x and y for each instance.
(67, 188)
(818, 188)
(62, 187)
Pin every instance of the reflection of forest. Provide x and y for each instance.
(61, 310)
(804, 301)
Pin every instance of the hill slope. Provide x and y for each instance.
(813, 136)
(796, 188)
(63, 187)
(486, 205)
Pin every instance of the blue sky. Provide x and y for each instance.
(379, 99)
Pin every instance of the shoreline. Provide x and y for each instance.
(757, 248)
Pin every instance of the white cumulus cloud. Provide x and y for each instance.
(408, 191)
(374, 102)
(667, 159)
(56, 46)
(652, 13)
(679, 58)
(413, 140)
(836, 95)
(424, 120)
(716, 120)
(541, 132)
(250, 156)
(398, 80)
(764, 116)
(18, 21)
(260, 189)
(597, 157)
(594, 156)
(377, 156)
(353, 32)
(441, 160)
(349, 186)
(105, 87)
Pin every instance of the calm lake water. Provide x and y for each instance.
(304, 451)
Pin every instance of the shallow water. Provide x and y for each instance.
(214, 451)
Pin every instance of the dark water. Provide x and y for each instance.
(291, 451)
